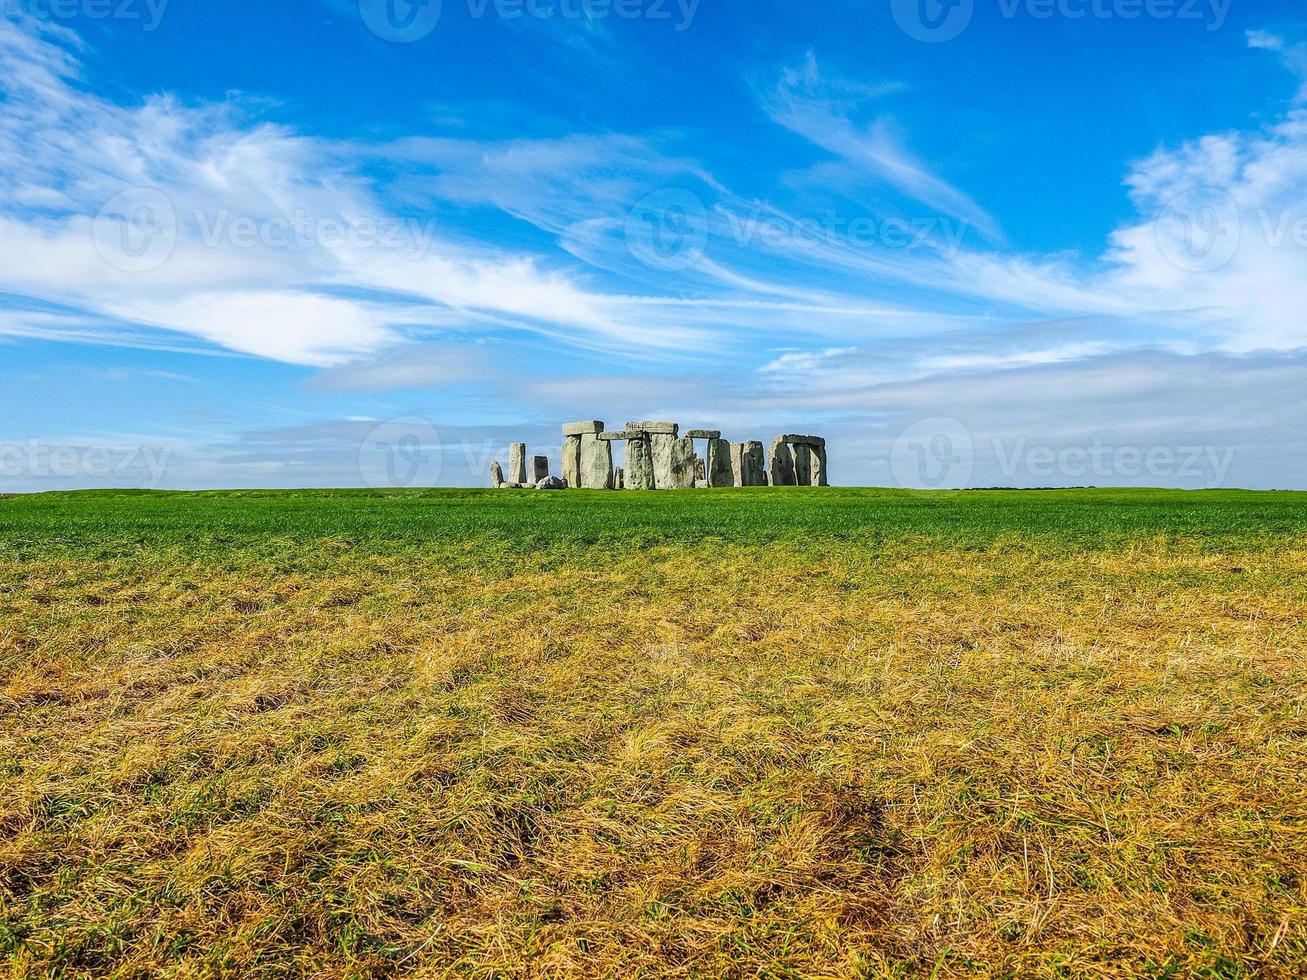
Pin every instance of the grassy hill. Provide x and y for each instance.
(757, 732)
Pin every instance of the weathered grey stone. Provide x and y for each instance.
(582, 428)
(802, 440)
(700, 471)
(539, 468)
(718, 465)
(614, 436)
(781, 473)
(737, 453)
(804, 462)
(596, 463)
(656, 428)
(516, 486)
(701, 484)
(661, 444)
(619, 479)
(517, 463)
(682, 465)
(638, 474)
(572, 461)
(551, 483)
(821, 475)
(703, 434)
(496, 475)
(753, 465)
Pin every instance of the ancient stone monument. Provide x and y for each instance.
(752, 468)
(517, 463)
(659, 457)
(799, 461)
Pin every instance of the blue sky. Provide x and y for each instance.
(1020, 242)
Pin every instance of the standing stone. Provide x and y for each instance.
(753, 465)
(782, 463)
(681, 465)
(539, 469)
(619, 479)
(737, 460)
(821, 474)
(638, 473)
(517, 463)
(572, 461)
(661, 444)
(717, 469)
(596, 462)
(804, 464)
(700, 471)
(496, 475)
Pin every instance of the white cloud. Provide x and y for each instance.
(333, 300)
(233, 272)
(1293, 56)
(821, 111)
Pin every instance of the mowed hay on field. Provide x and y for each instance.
(850, 754)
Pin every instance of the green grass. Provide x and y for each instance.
(738, 733)
(525, 521)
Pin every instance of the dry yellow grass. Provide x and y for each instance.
(809, 759)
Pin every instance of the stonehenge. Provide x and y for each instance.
(658, 456)
(782, 464)
(639, 469)
(808, 454)
(517, 463)
(572, 460)
(717, 468)
(753, 466)
(539, 469)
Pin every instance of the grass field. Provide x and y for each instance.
(741, 733)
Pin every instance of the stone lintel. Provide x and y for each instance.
(656, 428)
(583, 428)
(703, 434)
(618, 436)
(794, 440)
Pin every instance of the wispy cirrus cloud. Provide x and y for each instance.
(1292, 54)
(552, 255)
(826, 112)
